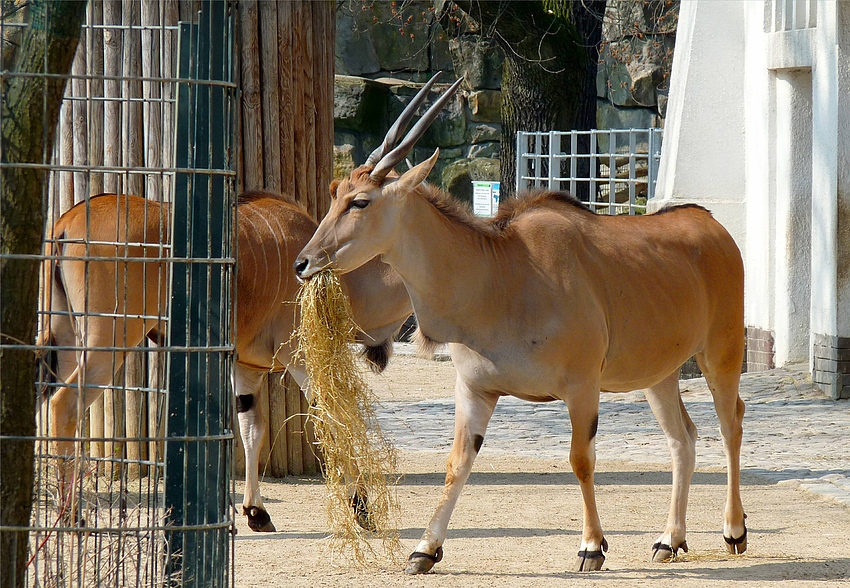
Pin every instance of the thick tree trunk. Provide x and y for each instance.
(544, 71)
(587, 16)
(30, 111)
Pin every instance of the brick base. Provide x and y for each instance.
(760, 353)
(832, 365)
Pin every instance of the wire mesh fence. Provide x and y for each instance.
(133, 441)
(613, 171)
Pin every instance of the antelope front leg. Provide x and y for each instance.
(667, 406)
(472, 413)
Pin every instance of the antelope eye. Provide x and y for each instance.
(358, 203)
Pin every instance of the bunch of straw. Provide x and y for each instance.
(359, 463)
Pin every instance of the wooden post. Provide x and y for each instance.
(132, 151)
(96, 110)
(278, 438)
(287, 92)
(324, 27)
(112, 131)
(271, 98)
(97, 411)
(298, 85)
(66, 149)
(294, 430)
(252, 124)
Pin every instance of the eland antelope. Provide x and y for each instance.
(94, 300)
(550, 301)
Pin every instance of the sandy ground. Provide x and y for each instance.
(518, 522)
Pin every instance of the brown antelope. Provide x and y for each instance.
(97, 301)
(549, 301)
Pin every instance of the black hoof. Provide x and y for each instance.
(591, 561)
(258, 519)
(736, 546)
(421, 563)
(663, 553)
(362, 513)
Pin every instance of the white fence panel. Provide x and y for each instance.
(613, 171)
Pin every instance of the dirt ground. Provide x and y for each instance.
(518, 522)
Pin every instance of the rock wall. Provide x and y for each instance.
(385, 51)
(636, 56)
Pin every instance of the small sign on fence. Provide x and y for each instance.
(485, 198)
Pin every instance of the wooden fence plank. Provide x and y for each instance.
(286, 92)
(66, 149)
(132, 151)
(112, 61)
(324, 27)
(95, 103)
(308, 449)
(278, 452)
(293, 427)
(81, 130)
(307, 75)
(270, 90)
(152, 94)
(252, 114)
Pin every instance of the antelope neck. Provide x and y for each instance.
(447, 267)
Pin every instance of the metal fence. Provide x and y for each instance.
(137, 491)
(614, 171)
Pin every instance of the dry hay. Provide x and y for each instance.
(358, 460)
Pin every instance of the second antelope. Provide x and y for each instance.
(549, 301)
(97, 302)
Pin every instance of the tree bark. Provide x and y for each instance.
(587, 16)
(30, 111)
(544, 72)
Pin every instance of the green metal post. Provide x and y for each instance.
(198, 450)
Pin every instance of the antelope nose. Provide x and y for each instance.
(300, 266)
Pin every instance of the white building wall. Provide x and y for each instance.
(824, 317)
(704, 137)
(758, 132)
(792, 208)
(760, 158)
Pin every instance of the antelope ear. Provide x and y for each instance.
(416, 175)
(333, 187)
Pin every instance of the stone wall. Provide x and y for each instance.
(636, 56)
(386, 50)
(384, 55)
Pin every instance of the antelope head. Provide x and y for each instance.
(365, 206)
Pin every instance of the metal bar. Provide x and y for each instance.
(573, 161)
(521, 148)
(553, 163)
(592, 192)
(612, 170)
(632, 174)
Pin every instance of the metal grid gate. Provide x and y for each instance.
(136, 492)
(620, 165)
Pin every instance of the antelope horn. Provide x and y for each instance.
(391, 159)
(400, 125)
